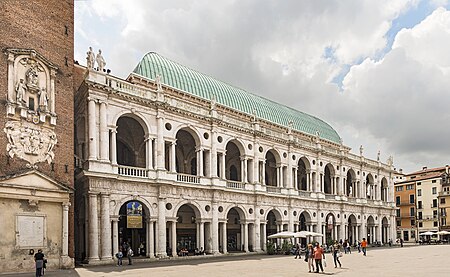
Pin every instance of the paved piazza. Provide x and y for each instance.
(408, 261)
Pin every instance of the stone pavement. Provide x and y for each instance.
(429, 260)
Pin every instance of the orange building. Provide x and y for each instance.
(405, 200)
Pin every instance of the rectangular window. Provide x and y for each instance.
(434, 190)
(434, 203)
(419, 192)
(411, 212)
(398, 212)
(413, 222)
(420, 224)
(435, 224)
(413, 233)
(399, 223)
(399, 188)
(419, 183)
(433, 181)
(442, 200)
(419, 204)
(411, 198)
(409, 187)
(434, 214)
(420, 215)
(397, 200)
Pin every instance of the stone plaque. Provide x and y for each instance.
(30, 231)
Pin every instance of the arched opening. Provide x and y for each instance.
(235, 240)
(302, 174)
(133, 227)
(370, 230)
(271, 168)
(384, 230)
(351, 183)
(384, 190)
(130, 145)
(330, 234)
(370, 189)
(233, 162)
(328, 182)
(304, 225)
(186, 155)
(187, 236)
(352, 229)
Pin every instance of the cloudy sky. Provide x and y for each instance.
(377, 70)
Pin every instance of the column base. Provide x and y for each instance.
(66, 262)
(106, 258)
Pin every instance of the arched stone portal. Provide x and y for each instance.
(370, 230)
(271, 169)
(189, 231)
(133, 217)
(351, 188)
(188, 157)
(130, 145)
(352, 229)
(235, 230)
(233, 164)
(303, 172)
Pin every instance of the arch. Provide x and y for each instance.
(327, 180)
(352, 229)
(192, 204)
(233, 164)
(136, 116)
(191, 130)
(370, 190)
(276, 212)
(370, 229)
(240, 210)
(271, 167)
(186, 148)
(238, 142)
(303, 168)
(130, 139)
(330, 223)
(384, 189)
(145, 204)
(351, 183)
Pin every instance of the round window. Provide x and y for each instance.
(168, 126)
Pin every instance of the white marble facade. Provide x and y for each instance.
(215, 177)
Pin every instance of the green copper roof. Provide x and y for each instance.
(196, 83)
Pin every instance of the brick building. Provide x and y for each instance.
(36, 141)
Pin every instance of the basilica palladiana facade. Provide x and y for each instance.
(171, 158)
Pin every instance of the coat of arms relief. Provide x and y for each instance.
(31, 117)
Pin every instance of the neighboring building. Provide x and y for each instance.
(425, 186)
(172, 158)
(36, 144)
(444, 202)
(405, 195)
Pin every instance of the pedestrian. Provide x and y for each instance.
(39, 260)
(364, 246)
(319, 254)
(349, 248)
(309, 257)
(336, 248)
(390, 242)
(297, 251)
(359, 246)
(129, 255)
(344, 245)
(401, 242)
(119, 256)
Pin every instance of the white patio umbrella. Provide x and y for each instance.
(305, 234)
(429, 233)
(443, 233)
(282, 235)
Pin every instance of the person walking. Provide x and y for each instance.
(39, 260)
(319, 254)
(336, 248)
(344, 245)
(129, 256)
(309, 257)
(297, 251)
(119, 256)
(364, 246)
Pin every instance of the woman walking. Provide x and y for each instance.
(309, 257)
(336, 248)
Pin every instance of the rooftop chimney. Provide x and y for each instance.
(424, 168)
(401, 170)
(446, 168)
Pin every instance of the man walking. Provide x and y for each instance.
(364, 246)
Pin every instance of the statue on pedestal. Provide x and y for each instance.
(100, 61)
(90, 57)
(21, 90)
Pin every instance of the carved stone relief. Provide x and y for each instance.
(29, 142)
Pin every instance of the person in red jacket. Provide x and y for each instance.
(318, 255)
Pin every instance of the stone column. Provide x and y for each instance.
(173, 157)
(319, 228)
(245, 225)
(263, 171)
(106, 227)
(264, 236)
(295, 183)
(160, 163)
(201, 235)
(214, 153)
(11, 83)
(115, 234)
(113, 145)
(223, 166)
(149, 152)
(224, 238)
(93, 228)
(104, 136)
(92, 129)
(257, 234)
(174, 238)
(199, 152)
(215, 228)
(151, 240)
(243, 169)
(161, 251)
(65, 229)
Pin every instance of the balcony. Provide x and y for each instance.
(187, 178)
(235, 185)
(271, 189)
(132, 171)
(405, 204)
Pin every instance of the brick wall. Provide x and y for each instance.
(47, 27)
